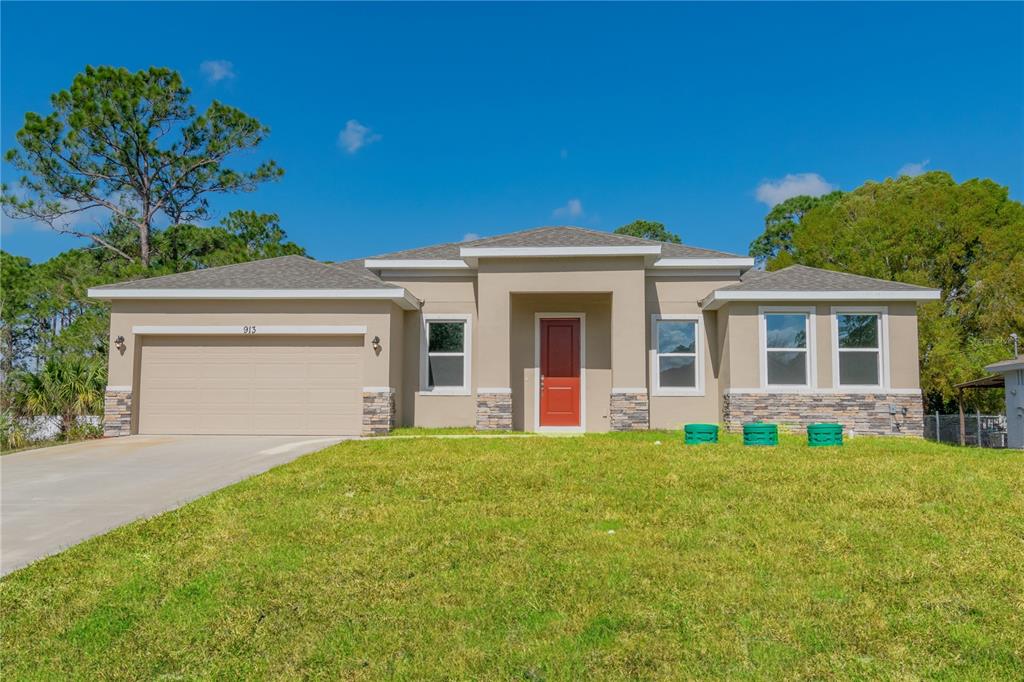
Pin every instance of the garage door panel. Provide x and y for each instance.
(256, 385)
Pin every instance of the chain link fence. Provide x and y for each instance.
(985, 430)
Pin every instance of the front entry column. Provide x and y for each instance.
(492, 361)
(630, 404)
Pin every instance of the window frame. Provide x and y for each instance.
(467, 348)
(698, 352)
(810, 315)
(882, 312)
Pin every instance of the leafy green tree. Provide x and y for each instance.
(779, 225)
(69, 387)
(128, 150)
(649, 229)
(241, 236)
(963, 238)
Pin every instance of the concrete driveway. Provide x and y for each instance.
(56, 497)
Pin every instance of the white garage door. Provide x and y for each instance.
(251, 385)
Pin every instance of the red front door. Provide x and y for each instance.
(560, 372)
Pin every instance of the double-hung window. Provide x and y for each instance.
(675, 365)
(858, 337)
(446, 354)
(787, 348)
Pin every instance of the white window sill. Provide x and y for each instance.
(445, 391)
(677, 393)
(788, 388)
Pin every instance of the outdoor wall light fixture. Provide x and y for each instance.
(376, 343)
(119, 341)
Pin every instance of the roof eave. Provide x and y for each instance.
(399, 295)
(1006, 366)
(699, 263)
(415, 264)
(717, 299)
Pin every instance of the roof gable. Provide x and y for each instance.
(803, 283)
(805, 278)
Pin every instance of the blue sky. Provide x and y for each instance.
(404, 125)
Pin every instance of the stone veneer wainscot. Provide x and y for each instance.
(378, 412)
(494, 410)
(117, 413)
(630, 411)
(859, 413)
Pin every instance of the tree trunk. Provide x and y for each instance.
(67, 422)
(144, 244)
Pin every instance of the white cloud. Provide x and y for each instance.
(470, 237)
(913, 169)
(355, 136)
(572, 209)
(772, 192)
(216, 70)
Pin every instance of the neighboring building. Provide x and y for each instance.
(552, 329)
(1012, 374)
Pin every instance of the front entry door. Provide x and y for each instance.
(560, 372)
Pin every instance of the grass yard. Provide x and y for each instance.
(602, 557)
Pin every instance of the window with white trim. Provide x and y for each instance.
(675, 363)
(786, 351)
(446, 354)
(859, 345)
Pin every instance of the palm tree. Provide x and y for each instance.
(68, 387)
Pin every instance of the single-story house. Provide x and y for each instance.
(549, 329)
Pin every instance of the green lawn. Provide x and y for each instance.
(603, 557)
(445, 431)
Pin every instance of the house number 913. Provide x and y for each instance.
(249, 329)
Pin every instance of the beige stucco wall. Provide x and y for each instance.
(680, 295)
(376, 316)
(741, 342)
(396, 363)
(903, 351)
(440, 295)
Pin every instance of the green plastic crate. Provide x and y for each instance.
(758, 433)
(701, 433)
(824, 435)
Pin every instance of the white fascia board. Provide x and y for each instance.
(402, 297)
(695, 273)
(716, 299)
(557, 251)
(398, 275)
(408, 301)
(414, 264)
(251, 330)
(745, 263)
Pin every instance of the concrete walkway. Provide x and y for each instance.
(56, 497)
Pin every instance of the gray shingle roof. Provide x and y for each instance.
(804, 278)
(285, 272)
(552, 237)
